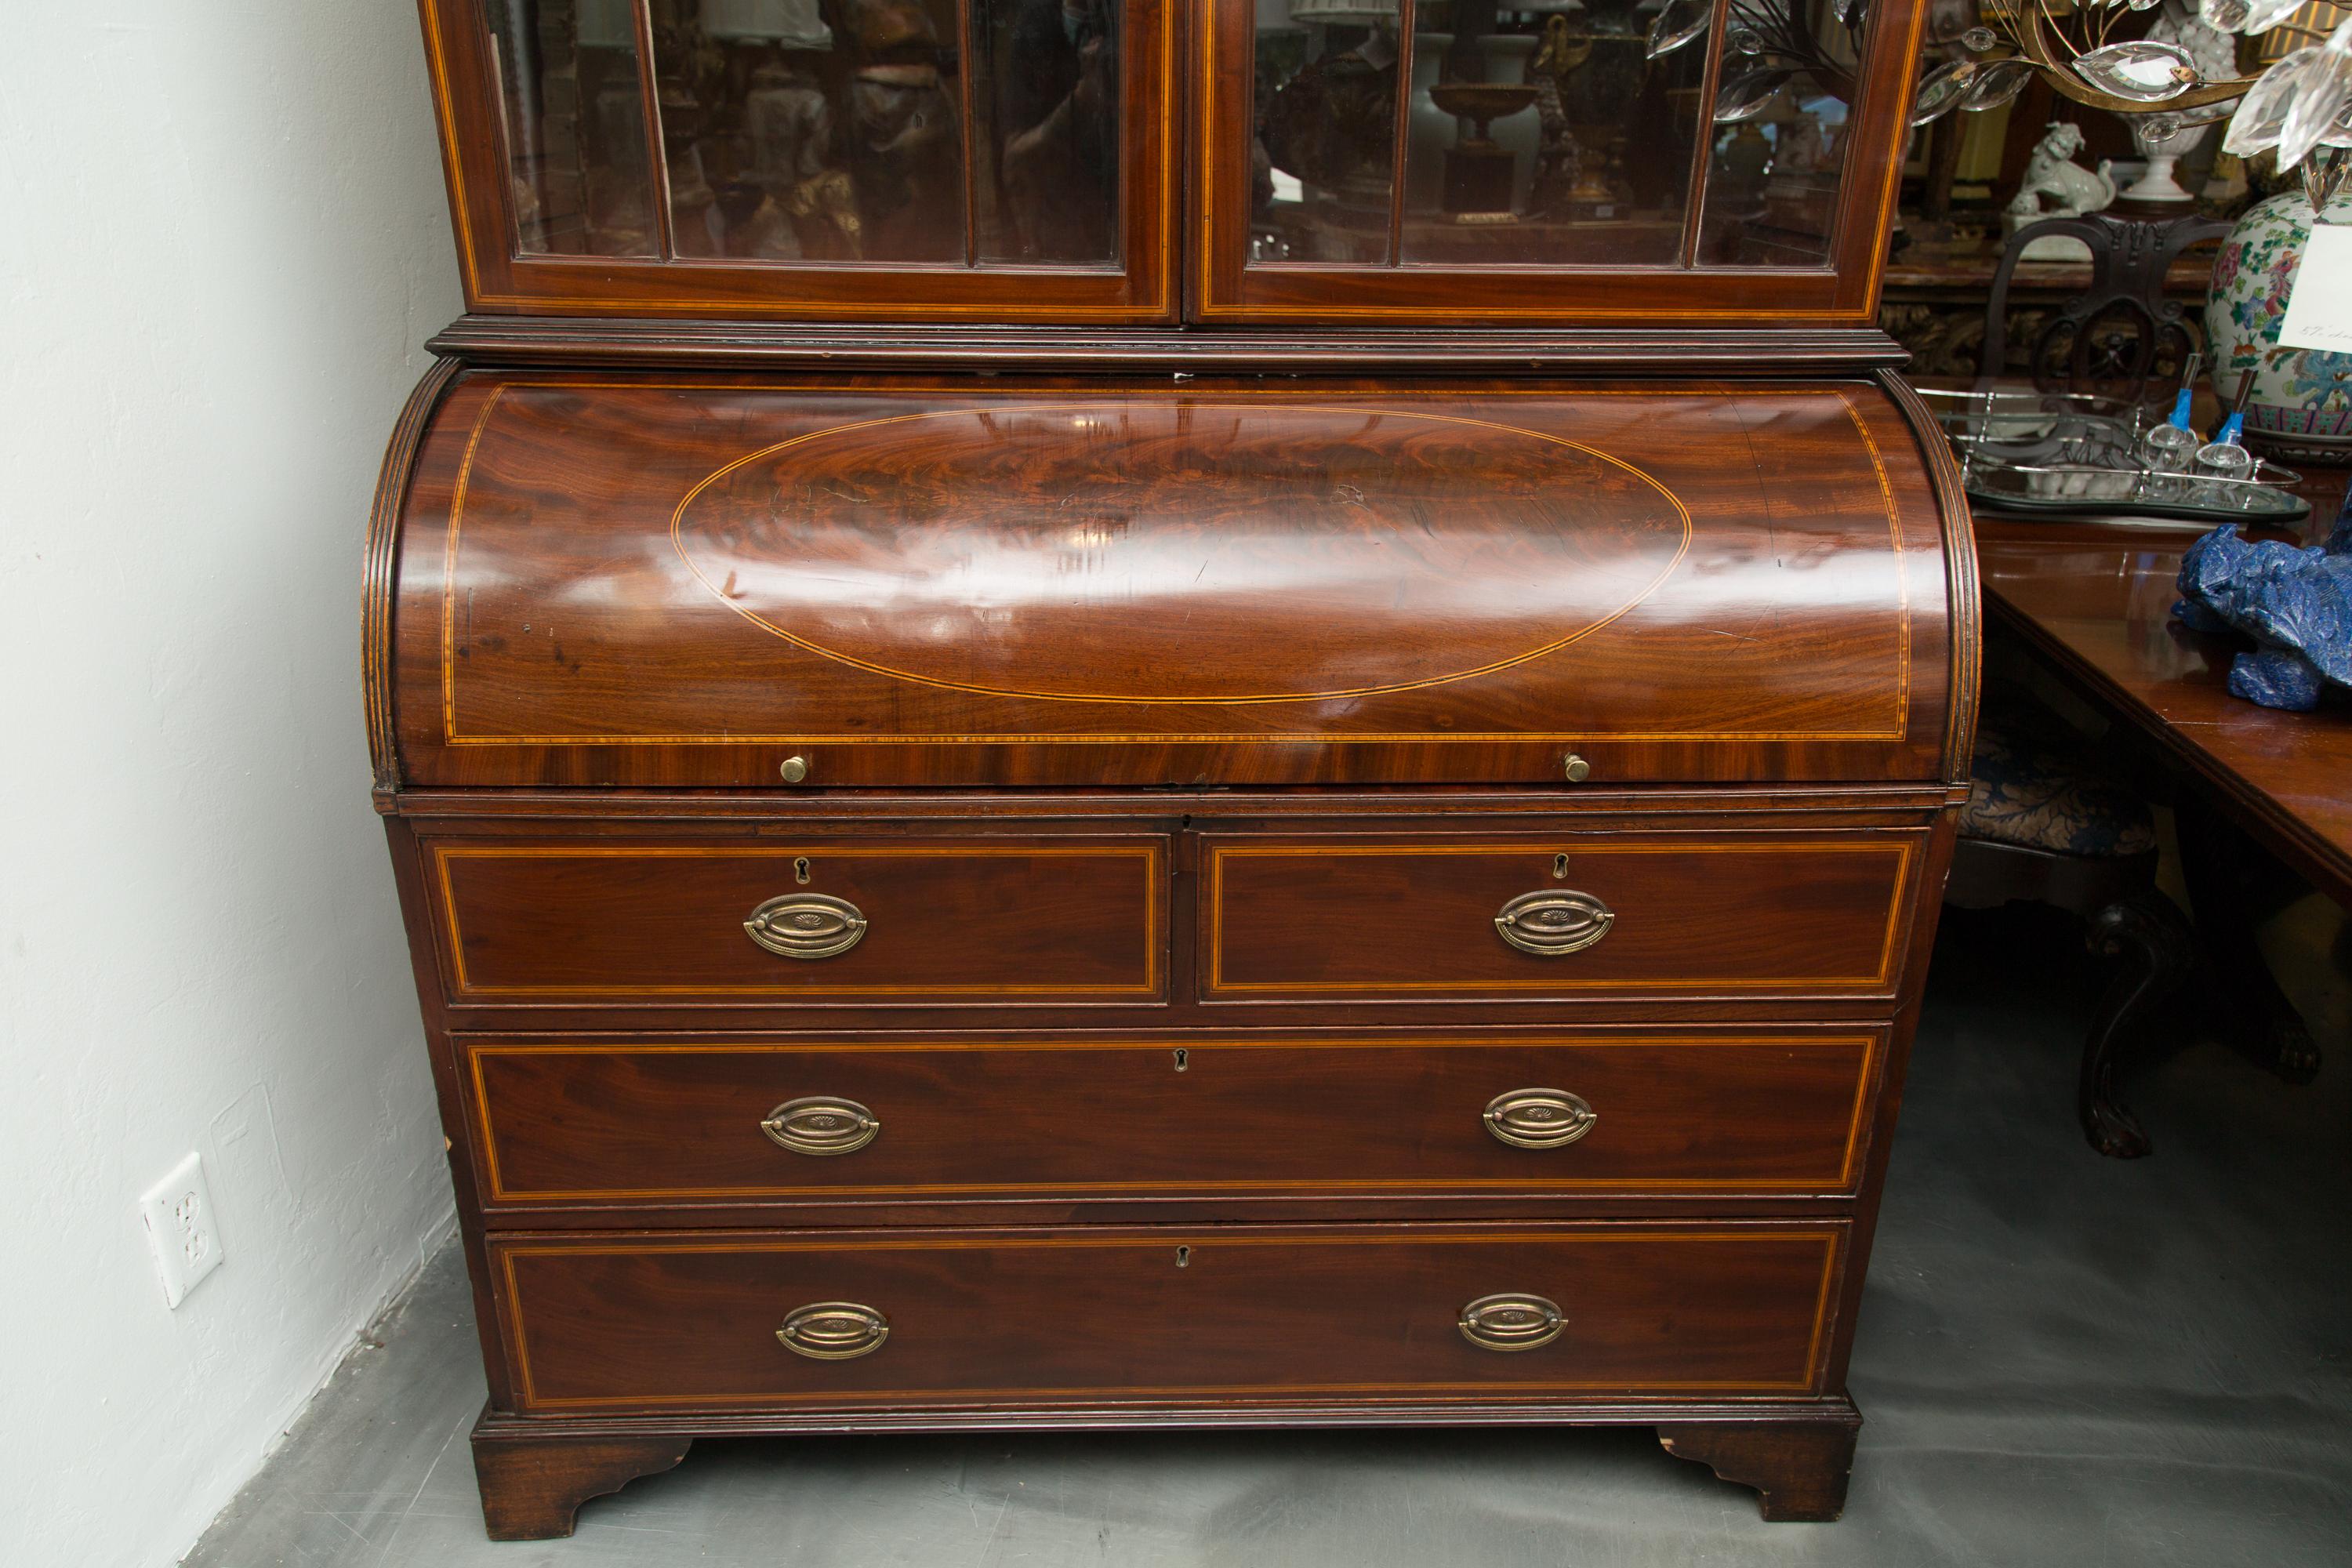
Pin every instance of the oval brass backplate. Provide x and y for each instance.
(807, 925)
(1511, 1323)
(818, 1124)
(833, 1331)
(1539, 1118)
(1554, 922)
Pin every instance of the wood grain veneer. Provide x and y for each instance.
(1182, 661)
(656, 1121)
(1792, 913)
(567, 920)
(1167, 584)
(688, 1322)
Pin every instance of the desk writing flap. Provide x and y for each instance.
(687, 580)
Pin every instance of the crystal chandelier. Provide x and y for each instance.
(2300, 108)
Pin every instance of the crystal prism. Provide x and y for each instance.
(1678, 23)
(2141, 71)
(1746, 97)
(2322, 93)
(2262, 15)
(2262, 113)
(1997, 83)
(1942, 90)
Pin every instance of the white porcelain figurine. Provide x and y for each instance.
(2057, 186)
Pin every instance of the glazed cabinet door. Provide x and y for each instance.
(1620, 161)
(916, 160)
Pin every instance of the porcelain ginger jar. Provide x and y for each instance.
(2295, 392)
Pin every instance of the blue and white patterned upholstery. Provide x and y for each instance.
(2028, 786)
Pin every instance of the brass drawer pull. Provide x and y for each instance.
(819, 1125)
(807, 925)
(1511, 1323)
(1553, 923)
(1539, 1118)
(833, 1331)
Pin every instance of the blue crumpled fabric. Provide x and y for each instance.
(2296, 604)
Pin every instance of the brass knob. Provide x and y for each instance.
(833, 1331)
(1555, 922)
(806, 925)
(794, 769)
(1511, 1323)
(821, 1125)
(1577, 769)
(1539, 1118)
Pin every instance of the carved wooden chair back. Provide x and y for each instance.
(2120, 338)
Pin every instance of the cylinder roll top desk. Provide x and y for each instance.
(1142, 713)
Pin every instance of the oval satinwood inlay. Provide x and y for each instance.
(1180, 550)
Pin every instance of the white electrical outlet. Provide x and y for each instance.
(182, 1229)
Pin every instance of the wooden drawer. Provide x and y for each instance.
(1740, 915)
(589, 921)
(644, 1122)
(1232, 1313)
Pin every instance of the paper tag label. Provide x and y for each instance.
(2319, 311)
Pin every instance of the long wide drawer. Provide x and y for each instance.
(1765, 914)
(644, 1122)
(1546, 1313)
(585, 920)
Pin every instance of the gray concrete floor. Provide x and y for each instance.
(2063, 1359)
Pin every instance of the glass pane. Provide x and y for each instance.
(1554, 138)
(800, 132)
(1781, 132)
(1326, 115)
(575, 126)
(1046, 96)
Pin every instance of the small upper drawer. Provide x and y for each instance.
(1767, 914)
(810, 922)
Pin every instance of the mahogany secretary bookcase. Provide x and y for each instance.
(1120, 713)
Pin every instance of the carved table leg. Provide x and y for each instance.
(1798, 1469)
(2234, 885)
(2148, 937)
(532, 1484)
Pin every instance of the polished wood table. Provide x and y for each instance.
(2095, 601)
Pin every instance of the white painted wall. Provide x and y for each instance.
(222, 240)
